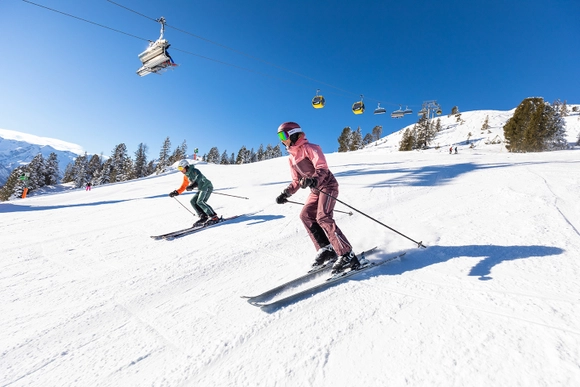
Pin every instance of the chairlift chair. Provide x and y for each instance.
(318, 101)
(439, 111)
(380, 110)
(422, 112)
(358, 107)
(398, 113)
(155, 58)
(408, 111)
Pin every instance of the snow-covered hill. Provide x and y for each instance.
(17, 148)
(465, 131)
(88, 299)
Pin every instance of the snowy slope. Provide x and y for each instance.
(17, 148)
(88, 299)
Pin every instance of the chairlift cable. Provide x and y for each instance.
(242, 53)
(201, 56)
(85, 20)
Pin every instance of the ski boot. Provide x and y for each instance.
(344, 262)
(202, 219)
(324, 254)
(213, 220)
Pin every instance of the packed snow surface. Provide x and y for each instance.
(89, 299)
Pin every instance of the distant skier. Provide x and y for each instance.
(193, 178)
(455, 150)
(451, 149)
(308, 168)
(88, 187)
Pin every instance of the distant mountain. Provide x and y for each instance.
(18, 148)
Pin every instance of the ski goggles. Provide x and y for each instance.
(283, 136)
(180, 168)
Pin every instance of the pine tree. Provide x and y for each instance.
(260, 154)
(104, 175)
(213, 156)
(80, 175)
(119, 164)
(94, 167)
(344, 140)
(243, 156)
(423, 132)
(356, 140)
(485, 126)
(276, 151)
(163, 162)
(368, 139)
(377, 131)
(179, 153)
(224, 159)
(555, 129)
(408, 141)
(36, 168)
(564, 109)
(14, 186)
(141, 169)
(535, 126)
(51, 171)
(68, 173)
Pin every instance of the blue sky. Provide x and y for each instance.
(247, 66)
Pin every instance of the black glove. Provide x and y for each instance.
(282, 198)
(173, 193)
(191, 186)
(308, 182)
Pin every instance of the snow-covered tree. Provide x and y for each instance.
(36, 168)
(141, 169)
(164, 154)
(224, 159)
(14, 185)
(376, 133)
(344, 140)
(51, 171)
(356, 140)
(213, 156)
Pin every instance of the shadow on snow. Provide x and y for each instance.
(489, 255)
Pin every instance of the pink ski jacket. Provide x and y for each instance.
(307, 160)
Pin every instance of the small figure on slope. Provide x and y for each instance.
(308, 168)
(193, 178)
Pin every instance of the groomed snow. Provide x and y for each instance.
(88, 299)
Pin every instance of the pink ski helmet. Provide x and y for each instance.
(289, 130)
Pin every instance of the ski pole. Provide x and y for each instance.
(344, 212)
(183, 206)
(234, 196)
(419, 244)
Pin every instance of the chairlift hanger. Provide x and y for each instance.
(398, 113)
(380, 110)
(155, 58)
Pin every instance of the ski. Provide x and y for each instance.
(190, 230)
(326, 284)
(309, 276)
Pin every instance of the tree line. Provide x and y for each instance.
(350, 140)
(99, 170)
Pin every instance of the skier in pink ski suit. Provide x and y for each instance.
(308, 168)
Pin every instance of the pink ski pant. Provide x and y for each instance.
(319, 209)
